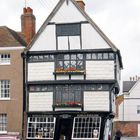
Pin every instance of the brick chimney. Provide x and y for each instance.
(28, 24)
(81, 4)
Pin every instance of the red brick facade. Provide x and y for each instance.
(129, 129)
(81, 4)
(28, 24)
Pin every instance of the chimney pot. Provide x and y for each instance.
(81, 4)
(29, 10)
(24, 10)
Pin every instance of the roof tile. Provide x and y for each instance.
(10, 38)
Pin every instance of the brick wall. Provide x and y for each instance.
(129, 129)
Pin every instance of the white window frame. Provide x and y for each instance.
(5, 59)
(138, 109)
(4, 89)
(88, 127)
(35, 122)
(3, 123)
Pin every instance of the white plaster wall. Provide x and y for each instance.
(120, 112)
(64, 14)
(40, 101)
(68, 109)
(135, 91)
(118, 71)
(100, 70)
(139, 130)
(46, 40)
(77, 77)
(91, 39)
(63, 43)
(96, 101)
(74, 42)
(62, 77)
(40, 71)
(130, 110)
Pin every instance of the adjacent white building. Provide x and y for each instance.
(129, 108)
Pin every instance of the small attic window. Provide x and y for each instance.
(68, 29)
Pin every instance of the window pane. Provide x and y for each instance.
(68, 29)
(79, 56)
(78, 96)
(111, 55)
(66, 57)
(73, 57)
(100, 56)
(59, 65)
(88, 56)
(68, 94)
(66, 64)
(4, 89)
(41, 127)
(105, 55)
(80, 65)
(5, 58)
(3, 122)
(94, 56)
(60, 57)
(86, 127)
(73, 64)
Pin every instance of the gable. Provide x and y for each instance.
(68, 12)
(135, 91)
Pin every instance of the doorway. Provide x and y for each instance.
(66, 125)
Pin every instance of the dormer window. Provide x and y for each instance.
(68, 36)
(4, 59)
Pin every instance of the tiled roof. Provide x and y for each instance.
(127, 85)
(10, 38)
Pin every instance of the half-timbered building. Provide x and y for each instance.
(72, 77)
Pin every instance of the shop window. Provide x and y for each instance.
(41, 127)
(86, 128)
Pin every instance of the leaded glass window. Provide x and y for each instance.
(41, 127)
(86, 128)
(70, 62)
(68, 95)
(68, 29)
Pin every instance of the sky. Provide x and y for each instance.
(118, 19)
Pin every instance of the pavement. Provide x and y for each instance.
(130, 138)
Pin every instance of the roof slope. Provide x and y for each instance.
(10, 38)
(127, 85)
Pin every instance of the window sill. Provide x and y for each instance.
(5, 64)
(70, 73)
(4, 99)
(67, 106)
(3, 132)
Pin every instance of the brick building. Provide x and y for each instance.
(12, 46)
